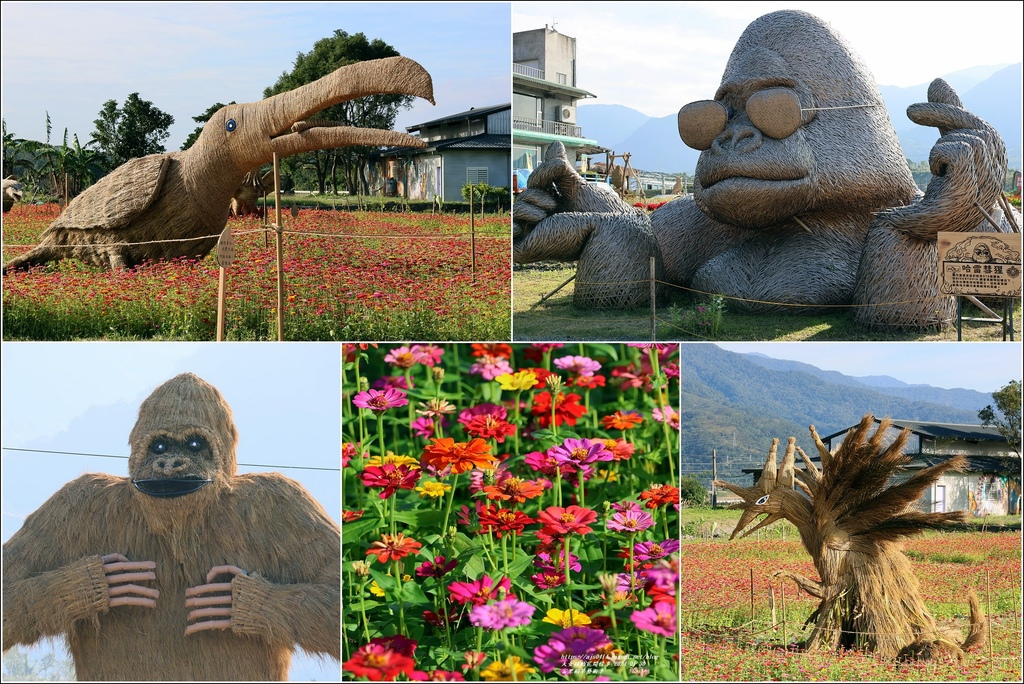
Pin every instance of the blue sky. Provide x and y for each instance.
(981, 366)
(70, 58)
(657, 56)
(84, 397)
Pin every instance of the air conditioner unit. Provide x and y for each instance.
(567, 114)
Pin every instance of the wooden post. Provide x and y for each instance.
(221, 281)
(225, 255)
(771, 604)
(66, 190)
(472, 231)
(751, 601)
(654, 319)
(280, 249)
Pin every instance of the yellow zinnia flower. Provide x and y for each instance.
(567, 618)
(511, 669)
(375, 589)
(396, 459)
(433, 490)
(517, 382)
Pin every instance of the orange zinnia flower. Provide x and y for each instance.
(622, 421)
(393, 547)
(513, 489)
(499, 349)
(461, 456)
(660, 496)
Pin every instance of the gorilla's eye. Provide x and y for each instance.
(231, 125)
(729, 113)
(158, 445)
(762, 501)
(195, 444)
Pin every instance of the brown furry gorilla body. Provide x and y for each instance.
(61, 574)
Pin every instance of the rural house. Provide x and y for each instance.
(464, 148)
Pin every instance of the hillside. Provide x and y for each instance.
(736, 403)
(993, 93)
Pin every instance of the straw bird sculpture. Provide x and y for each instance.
(852, 517)
(802, 194)
(12, 192)
(185, 570)
(176, 204)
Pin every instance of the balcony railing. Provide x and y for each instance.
(551, 127)
(524, 70)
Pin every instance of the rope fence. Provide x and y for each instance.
(656, 320)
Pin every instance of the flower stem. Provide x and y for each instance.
(448, 508)
(401, 600)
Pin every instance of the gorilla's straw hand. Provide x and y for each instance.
(121, 575)
(217, 606)
(967, 165)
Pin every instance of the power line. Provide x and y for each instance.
(125, 458)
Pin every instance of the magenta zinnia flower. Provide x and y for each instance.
(648, 551)
(580, 452)
(571, 644)
(423, 427)
(437, 568)
(659, 619)
(480, 591)
(380, 401)
(630, 521)
(508, 613)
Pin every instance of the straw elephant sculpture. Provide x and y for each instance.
(176, 204)
(185, 570)
(802, 196)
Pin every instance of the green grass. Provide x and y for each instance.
(557, 319)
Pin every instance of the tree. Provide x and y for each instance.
(1007, 421)
(373, 111)
(692, 491)
(202, 119)
(135, 130)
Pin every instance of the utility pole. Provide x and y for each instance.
(714, 476)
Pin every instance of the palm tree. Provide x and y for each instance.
(852, 517)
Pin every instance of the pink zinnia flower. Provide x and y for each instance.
(437, 568)
(501, 615)
(548, 579)
(491, 367)
(402, 357)
(578, 365)
(630, 521)
(669, 416)
(427, 354)
(423, 427)
(571, 644)
(648, 550)
(659, 619)
(378, 401)
(394, 382)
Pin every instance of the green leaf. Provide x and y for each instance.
(363, 605)
(353, 532)
(515, 569)
(474, 566)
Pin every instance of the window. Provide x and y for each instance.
(476, 175)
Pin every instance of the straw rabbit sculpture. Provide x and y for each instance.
(802, 195)
(176, 204)
(185, 570)
(852, 520)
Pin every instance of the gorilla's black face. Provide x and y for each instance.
(175, 466)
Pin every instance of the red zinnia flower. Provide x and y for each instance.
(393, 547)
(559, 521)
(390, 477)
(503, 520)
(351, 516)
(461, 456)
(488, 425)
(567, 408)
(378, 662)
(501, 350)
(480, 591)
(660, 496)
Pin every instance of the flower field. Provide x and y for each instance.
(348, 276)
(510, 512)
(719, 641)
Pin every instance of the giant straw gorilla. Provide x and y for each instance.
(802, 194)
(185, 570)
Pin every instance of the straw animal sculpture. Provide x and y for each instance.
(802, 194)
(252, 188)
(12, 193)
(559, 216)
(176, 204)
(185, 570)
(852, 519)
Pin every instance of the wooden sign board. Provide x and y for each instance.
(980, 264)
(225, 248)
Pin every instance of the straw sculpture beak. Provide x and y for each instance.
(291, 133)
